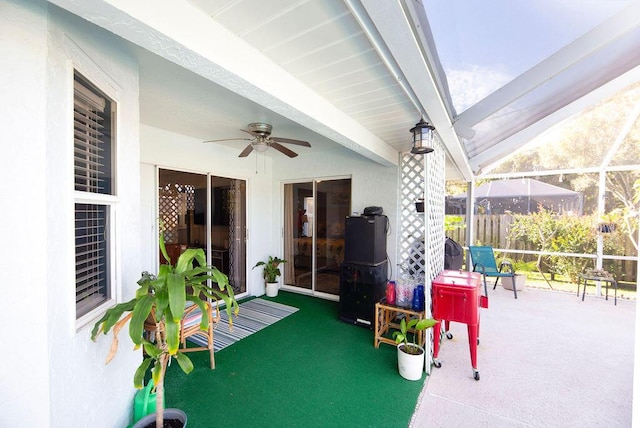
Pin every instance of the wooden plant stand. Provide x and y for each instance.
(386, 320)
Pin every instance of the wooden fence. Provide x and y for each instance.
(493, 230)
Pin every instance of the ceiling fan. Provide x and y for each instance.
(261, 140)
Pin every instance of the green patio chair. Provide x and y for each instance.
(484, 261)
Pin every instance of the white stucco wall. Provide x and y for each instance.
(24, 368)
(51, 374)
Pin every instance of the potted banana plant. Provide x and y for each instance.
(160, 299)
(410, 354)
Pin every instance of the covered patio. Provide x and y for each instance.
(183, 80)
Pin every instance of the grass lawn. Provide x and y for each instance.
(535, 280)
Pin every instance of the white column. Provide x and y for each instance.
(600, 243)
(471, 203)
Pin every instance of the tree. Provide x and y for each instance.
(537, 229)
(584, 142)
(546, 232)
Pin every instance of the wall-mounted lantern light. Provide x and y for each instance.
(423, 135)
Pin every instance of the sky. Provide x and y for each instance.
(482, 45)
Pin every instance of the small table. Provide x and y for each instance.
(220, 259)
(606, 281)
(386, 316)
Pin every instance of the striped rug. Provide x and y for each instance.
(254, 315)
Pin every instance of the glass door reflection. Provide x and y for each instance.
(314, 233)
(198, 212)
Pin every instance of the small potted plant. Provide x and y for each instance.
(160, 300)
(411, 355)
(270, 273)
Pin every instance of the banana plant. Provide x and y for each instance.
(415, 325)
(160, 300)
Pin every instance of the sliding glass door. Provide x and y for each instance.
(314, 233)
(209, 212)
(298, 235)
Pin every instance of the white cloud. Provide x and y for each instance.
(473, 83)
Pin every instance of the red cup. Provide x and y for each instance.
(391, 292)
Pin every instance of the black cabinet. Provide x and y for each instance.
(365, 239)
(361, 287)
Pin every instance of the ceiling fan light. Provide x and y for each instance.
(260, 147)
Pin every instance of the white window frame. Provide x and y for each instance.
(111, 201)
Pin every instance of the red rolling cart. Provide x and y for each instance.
(457, 296)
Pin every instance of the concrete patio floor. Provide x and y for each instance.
(547, 359)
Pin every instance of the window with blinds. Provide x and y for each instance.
(93, 176)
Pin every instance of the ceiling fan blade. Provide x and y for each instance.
(290, 141)
(246, 151)
(284, 150)
(228, 139)
(249, 132)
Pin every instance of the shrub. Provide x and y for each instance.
(546, 231)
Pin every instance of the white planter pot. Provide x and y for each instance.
(507, 284)
(271, 289)
(410, 366)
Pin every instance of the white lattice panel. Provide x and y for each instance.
(411, 232)
(421, 235)
(434, 183)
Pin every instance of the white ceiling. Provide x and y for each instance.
(180, 101)
(356, 74)
(321, 44)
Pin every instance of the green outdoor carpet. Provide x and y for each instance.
(307, 370)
